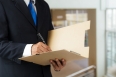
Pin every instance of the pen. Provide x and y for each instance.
(40, 36)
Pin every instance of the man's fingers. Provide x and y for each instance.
(49, 48)
(43, 49)
(39, 48)
(63, 62)
(54, 65)
(39, 51)
(59, 63)
(46, 47)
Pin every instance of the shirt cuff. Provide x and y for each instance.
(27, 50)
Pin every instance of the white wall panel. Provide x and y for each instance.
(73, 3)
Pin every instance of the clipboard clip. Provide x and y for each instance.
(75, 53)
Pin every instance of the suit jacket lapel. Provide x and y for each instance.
(22, 7)
(40, 14)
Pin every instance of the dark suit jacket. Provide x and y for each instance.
(16, 30)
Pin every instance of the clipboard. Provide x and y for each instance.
(62, 41)
(43, 59)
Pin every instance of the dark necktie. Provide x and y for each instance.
(33, 12)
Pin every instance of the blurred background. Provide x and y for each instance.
(101, 38)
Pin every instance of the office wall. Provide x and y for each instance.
(73, 3)
(111, 4)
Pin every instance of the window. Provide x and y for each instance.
(111, 36)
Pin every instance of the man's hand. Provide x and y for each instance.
(39, 48)
(58, 64)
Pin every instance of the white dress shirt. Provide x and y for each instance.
(27, 3)
(27, 50)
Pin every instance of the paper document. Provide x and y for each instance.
(69, 38)
(63, 40)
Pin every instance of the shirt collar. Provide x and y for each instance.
(27, 2)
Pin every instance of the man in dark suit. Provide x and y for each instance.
(20, 22)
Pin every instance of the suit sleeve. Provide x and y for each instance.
(8, 49)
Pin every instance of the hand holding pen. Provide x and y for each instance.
(40, 47)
